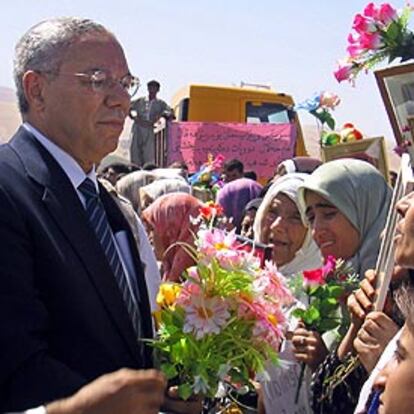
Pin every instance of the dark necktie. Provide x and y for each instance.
(99, 221)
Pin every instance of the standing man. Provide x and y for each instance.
(145, 111)
(73, 298)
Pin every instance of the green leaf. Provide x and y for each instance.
(298, 313)
(169, 370)
(393, 31)
(335, 291)
(311, 315)
(185, 391)
(326, 325)
(330, 122)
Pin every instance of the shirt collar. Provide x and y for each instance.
(69, 165)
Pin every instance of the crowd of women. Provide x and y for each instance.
(306, 213)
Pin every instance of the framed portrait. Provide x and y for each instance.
(368, 149)
(396, 85)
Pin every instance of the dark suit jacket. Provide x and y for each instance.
(62, 318)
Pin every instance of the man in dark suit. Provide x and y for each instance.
(73, 298)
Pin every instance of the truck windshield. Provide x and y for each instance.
(272, 113)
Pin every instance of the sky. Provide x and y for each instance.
(291, 45)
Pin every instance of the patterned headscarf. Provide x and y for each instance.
(169, 215)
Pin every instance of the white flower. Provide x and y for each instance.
(205, 315)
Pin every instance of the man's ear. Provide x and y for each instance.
(33, 86)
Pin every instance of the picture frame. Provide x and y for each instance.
(396, 86)
(372, 150)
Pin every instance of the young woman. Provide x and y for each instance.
(346, 204)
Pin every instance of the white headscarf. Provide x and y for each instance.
(360, 193)
(308, 256)
(165, 186)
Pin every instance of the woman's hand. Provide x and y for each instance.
(309, 347)
(360, 303)
(373, 337)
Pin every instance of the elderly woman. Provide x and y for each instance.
(279, 223)
(168, 224)
(346, 203)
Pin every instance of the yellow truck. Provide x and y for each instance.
(244, 104)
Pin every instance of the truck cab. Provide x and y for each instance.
(204, 103)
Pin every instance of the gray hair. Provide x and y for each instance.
(43, 47)
(404, 297)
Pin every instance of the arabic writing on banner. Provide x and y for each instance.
(259, 146)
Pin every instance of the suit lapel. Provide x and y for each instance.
(119, 222)
(62, 202)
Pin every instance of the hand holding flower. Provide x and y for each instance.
(309, 347)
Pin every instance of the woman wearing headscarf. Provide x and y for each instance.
(293, 247)
(279, 223)
(249, 214)
(151, 192)
(346, 204)
(128, 186)
(234, 196)
(168, 224)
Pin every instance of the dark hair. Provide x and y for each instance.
(251, 174)
(154, 83)
(118, 167)
(179, 164)
(149, 166)
(234, 164)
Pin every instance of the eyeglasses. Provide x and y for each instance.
(101, 82)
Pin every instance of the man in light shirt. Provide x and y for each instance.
(146, 111)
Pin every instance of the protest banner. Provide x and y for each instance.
(261, 147)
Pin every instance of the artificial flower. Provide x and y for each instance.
(167, 294)
(205, 316)
(379, 33)
(225, 320)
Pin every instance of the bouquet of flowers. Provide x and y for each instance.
(326, 289)
(224, 321)
(379, 33)
(209, 175)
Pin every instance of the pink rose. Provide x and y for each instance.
(371, 11)
(329, 100)
(363, 24)
(354, 50)
(314, 277)
(387, 14)
(329, 266)
(370, 41)
(344, 72)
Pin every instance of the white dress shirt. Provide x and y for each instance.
(76, 176)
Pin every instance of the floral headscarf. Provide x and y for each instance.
(169, 215)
